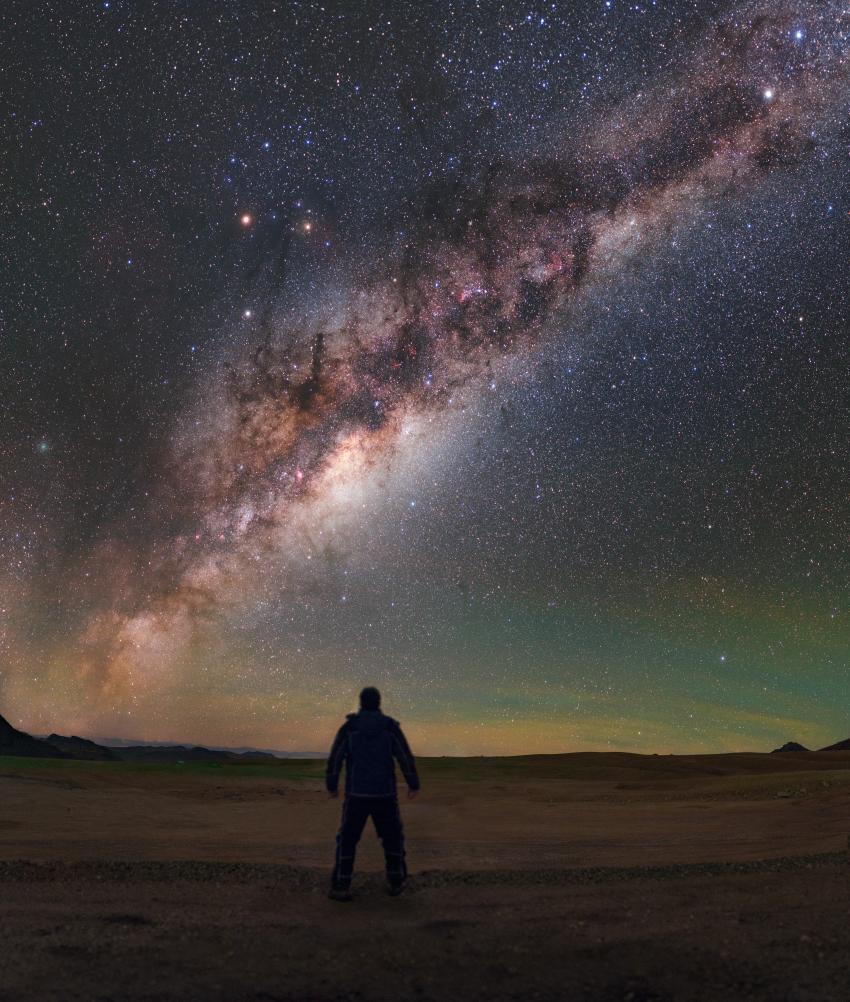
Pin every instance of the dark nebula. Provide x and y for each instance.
(404, 454)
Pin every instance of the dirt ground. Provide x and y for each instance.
(607, 877)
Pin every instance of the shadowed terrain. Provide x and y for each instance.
(539, 876)
(583, 809)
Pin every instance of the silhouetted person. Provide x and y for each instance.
(367, 743)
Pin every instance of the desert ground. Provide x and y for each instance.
(584, 876)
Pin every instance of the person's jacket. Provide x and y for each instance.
(367, 743)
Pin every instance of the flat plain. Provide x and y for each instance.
(584, 876)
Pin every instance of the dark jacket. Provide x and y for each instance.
(367, 743)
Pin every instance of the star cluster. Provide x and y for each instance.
(492, 353)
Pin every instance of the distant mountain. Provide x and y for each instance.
(270, 752)
(838, 746)
(170, 753)
(790, 746)
(81, 748)
(117, 744)
(188, 753)
(15, 742)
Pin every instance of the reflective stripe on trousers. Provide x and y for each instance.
(386, 817)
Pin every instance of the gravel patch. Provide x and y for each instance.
(308, 878)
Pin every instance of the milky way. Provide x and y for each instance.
(477, 288)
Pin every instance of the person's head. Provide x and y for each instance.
(370, 698)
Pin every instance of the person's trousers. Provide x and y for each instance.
(384, 812)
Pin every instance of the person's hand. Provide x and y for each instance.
(412, 794)
(333, 794)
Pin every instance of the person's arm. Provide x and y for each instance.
(404, 756)
(335, 760)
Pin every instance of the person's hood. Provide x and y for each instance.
(369, 721)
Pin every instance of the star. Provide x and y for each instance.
(453, 395)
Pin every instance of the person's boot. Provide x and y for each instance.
(395, 887)
(339, 893)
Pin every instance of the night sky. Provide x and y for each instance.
(495, 354)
